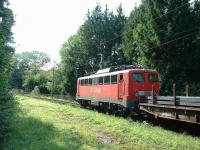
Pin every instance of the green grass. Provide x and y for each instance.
(44, 125)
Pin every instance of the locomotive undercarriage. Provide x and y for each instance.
(109, 108)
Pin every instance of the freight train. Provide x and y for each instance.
(117, 90)
(127, 90)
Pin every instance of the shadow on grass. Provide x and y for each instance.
(8, 109)
(31, 133)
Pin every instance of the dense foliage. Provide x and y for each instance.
(82, 52)
(164, 36)
(29, 71)
(158, 34)
(6, 53)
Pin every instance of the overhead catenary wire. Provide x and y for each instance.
(176, 39)
(168, 42)
(185, 31)
(170, 11)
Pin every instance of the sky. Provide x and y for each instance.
(44, 25)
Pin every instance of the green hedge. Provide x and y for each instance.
(8, 108)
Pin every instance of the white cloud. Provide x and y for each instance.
(45, 24)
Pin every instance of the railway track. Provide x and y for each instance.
(54, 100)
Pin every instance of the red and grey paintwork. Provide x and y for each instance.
(125, 89)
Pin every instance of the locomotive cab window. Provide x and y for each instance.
(152, 77)
(107, 80)
(113, 79)
(138, 77)
(121, 77)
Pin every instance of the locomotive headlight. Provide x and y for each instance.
(146, 93)
(140, 93)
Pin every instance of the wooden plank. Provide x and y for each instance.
(180, 100)
(171, 107)
(165, 102)
(189, 104)
(179, 103)
(185, 98)
(162, 98)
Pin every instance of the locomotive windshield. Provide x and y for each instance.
(138, 77)
(152, 77)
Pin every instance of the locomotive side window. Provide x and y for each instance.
(113, 79)
(95, 81)
(90, 81)
(138, 77)
(86, 81)
(100, 80)
(107, 80)
(82, 82)
(152, 77)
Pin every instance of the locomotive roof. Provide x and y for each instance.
(116, 72)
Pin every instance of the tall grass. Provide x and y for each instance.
(45, 125)
(8, 107)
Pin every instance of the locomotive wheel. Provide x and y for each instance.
(103, 107)
(109, 111)
(127, 113)
(116, 111)
(81, 102)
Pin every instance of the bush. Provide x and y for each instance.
(194, 89)
(36, 91)
(7, 110)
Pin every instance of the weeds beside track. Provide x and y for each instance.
(176, 126)
(44, 125)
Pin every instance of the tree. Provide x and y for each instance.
(80, 55)
(26, 65)
(101, 34)
(73, 58)
(6, 52)
(117, 57)
(152, 39)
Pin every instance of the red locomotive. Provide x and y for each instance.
(115, 89)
